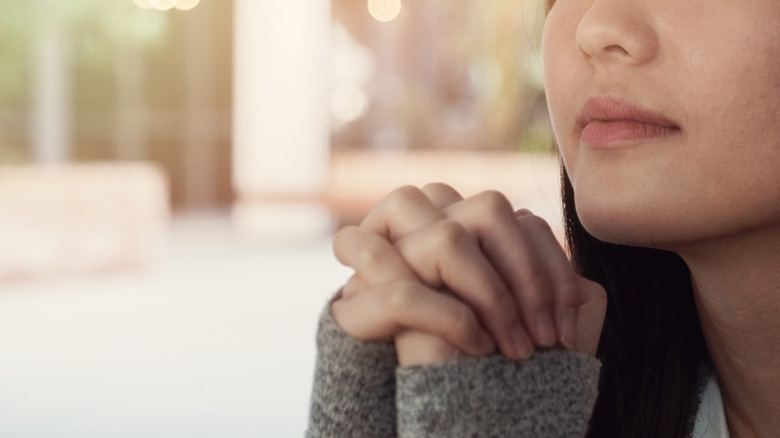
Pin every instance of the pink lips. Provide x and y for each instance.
(609, 123)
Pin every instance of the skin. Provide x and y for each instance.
(711, 190)
(442, 276)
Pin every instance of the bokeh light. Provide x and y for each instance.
(348, 104)
(164, 5)
(384, 10)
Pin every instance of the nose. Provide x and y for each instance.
(618, 31)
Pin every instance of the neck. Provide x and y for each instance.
(737, 288)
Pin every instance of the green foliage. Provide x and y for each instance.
(95, 29)
(15, 50)
(98, 27)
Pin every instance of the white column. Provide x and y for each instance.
(280, 118)
(50, 125)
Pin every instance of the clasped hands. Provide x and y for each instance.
(443, 276)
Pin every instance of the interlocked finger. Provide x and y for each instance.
(374, 258)
(524, 251)
(381, 312)
(404, 211)
(441, 195)
(445, 256)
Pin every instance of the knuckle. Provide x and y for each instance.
(536, 222)
(450, 235)
(437, 187)
(569, 291)
(462, 322)
(402, 196)
(342, 241)
(592, 290)
(402, 297)
(372, 255)
(495, 301)
(342, 234)
(494, 202)
(535, 292)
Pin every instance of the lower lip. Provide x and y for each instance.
(602, 134)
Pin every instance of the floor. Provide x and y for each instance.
(216, 341)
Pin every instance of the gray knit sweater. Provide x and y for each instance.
(359, 391)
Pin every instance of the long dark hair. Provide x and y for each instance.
(651, 347)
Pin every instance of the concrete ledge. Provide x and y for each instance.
(65, 218)
(359, 180)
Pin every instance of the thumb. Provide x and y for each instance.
(418, 348)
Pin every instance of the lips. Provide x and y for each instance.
(607, 123)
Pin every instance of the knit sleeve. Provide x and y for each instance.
(354, 386)
(551, 394)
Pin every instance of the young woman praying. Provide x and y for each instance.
(465, 318)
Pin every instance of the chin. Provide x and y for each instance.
(628, 226)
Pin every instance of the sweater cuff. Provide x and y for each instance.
(354, 385)
(551, 394)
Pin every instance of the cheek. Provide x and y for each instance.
(563, 82)
(721, 178)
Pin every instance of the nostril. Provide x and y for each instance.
(616, 49)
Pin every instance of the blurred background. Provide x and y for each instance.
(171, 173)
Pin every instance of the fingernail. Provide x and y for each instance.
(524, 348)
(568, 326)
(545, 330)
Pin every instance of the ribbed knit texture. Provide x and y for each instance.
(355, 393)
(552, 394)
(354, 386)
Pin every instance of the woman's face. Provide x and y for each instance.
(667, 114)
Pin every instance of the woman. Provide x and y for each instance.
(667, 117)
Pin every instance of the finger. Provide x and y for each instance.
(528, 258)
(441, 195)
(352, 287)
(418, 348)
(372, 257)
(591, 316)
(405, 210)
(445, 255)
(389, 309)
(564, 286)
(491, 218)
(377, 262)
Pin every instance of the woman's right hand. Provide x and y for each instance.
(443, 276)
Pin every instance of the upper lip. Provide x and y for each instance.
(612, 110)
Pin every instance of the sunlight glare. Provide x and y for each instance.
(164, 5)
(384, 10)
